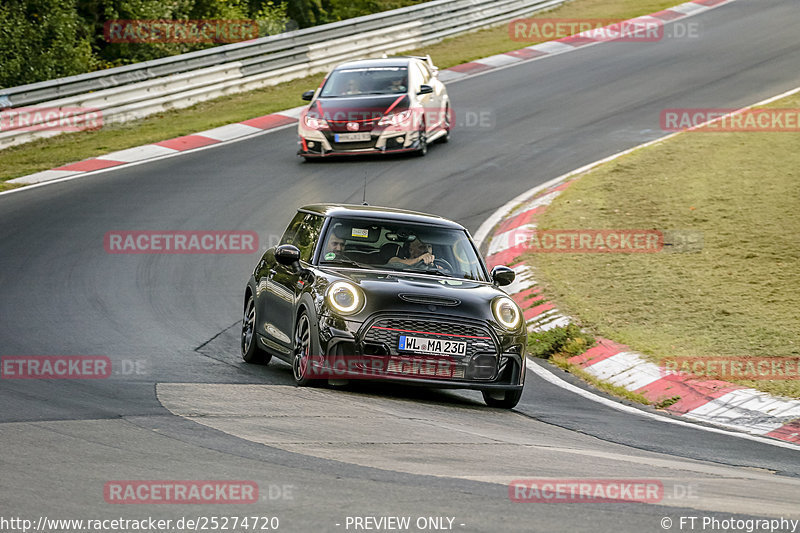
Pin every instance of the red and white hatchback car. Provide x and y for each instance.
(382, 106)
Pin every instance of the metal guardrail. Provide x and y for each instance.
(135, 91)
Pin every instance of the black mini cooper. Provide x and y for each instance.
(361, 292)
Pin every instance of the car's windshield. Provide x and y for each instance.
(388, 245)
(366, 80)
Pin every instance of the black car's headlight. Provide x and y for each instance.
(506, 312)
(344, 297)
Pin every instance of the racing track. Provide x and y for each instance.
(363, 451)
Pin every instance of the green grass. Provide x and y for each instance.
(737, 296)
(567, 341)
(48, 153)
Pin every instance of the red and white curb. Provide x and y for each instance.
(579, 40)
(264, 124)
(170, 147)
(711, 401)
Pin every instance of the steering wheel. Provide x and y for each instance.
(438, 264)
(442, 264)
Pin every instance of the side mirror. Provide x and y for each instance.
(502, 275)
(425, 89)
(307, 96)
(288, 255)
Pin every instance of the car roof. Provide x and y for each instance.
(377, 62)
(372, 212)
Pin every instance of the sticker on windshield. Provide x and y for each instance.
(329, 256)
(359, 232)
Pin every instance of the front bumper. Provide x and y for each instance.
(319, 143)
(352, 351)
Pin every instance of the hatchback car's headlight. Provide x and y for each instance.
(344, 297)
(395, 119)
(315, 123)
(506, 312)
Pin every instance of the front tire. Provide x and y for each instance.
(303, 352)
(423, 142)
(251, 352)
(444, 139)
(507, 399)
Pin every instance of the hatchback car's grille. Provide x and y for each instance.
(340, 126)
(386, 332)
(435, 327)
(360, 145)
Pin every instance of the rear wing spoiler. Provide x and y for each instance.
(426, 58)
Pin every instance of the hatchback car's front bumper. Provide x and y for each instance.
(352, 350)
(322, 143)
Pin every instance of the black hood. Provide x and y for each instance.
(422, 293)
(358, 108)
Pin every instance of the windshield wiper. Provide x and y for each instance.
(433, 271)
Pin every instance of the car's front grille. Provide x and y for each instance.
(445, 327)
(386, 332)
(361, 145)
(340, 126)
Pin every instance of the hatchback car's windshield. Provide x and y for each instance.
(366, 80)
(401, 247)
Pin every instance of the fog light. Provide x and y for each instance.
(311, 144)
(482, 366)
(400, 140)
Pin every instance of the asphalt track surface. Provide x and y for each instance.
(196, 411)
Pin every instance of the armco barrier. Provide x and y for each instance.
(135, 91)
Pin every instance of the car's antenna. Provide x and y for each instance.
(364, 199)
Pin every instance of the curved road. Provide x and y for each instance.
(193, 410)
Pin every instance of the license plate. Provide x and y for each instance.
(432, 346)
(352, 137)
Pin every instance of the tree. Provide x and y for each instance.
(42, 40)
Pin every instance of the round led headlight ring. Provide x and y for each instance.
(506, 312)
(344, 297)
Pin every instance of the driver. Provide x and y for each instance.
(335, 247)
(351, 87)
(414, 252)
(397, 85)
